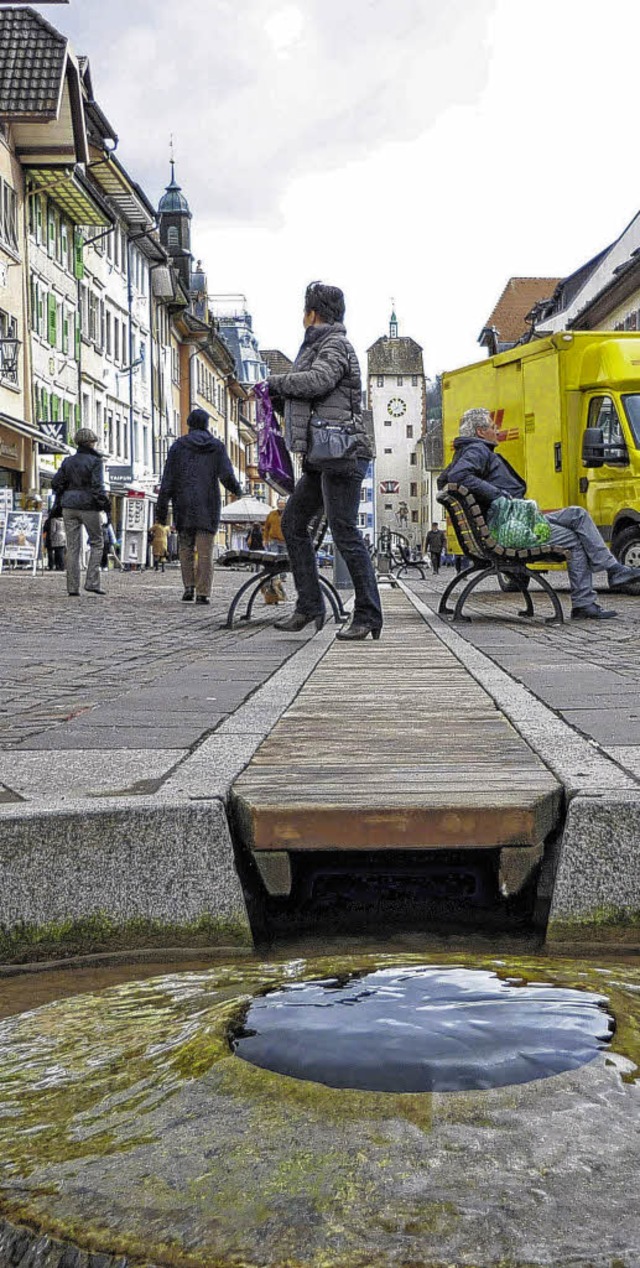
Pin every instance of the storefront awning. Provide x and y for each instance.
(34, 433)
(73, 194)
(123, 192)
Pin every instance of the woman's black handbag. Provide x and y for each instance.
(332, 444)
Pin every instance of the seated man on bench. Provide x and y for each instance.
(488, 476)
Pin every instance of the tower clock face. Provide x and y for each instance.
(396, 407)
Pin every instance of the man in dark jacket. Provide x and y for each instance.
(488, 476)
(435, 545)
(196, 466)
(79, 486)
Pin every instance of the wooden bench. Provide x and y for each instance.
(406, 563)
(269, 566)
(490, 559)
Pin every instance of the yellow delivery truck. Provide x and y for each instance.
(568, 409)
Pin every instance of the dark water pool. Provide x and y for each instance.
(423, 1029)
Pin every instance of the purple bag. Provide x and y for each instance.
(274, 462)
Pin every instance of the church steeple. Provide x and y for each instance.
(393, 325)
(174, 222)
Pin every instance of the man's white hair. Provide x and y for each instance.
(472, 420)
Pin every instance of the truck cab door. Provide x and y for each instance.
(602, 487)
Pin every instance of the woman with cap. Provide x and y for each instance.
(79, 486)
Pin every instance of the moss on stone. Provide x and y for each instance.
(61, 939)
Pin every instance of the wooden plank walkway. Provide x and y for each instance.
(393, 745)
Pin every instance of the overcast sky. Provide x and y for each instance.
(420, 150)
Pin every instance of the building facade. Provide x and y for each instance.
(396, 395)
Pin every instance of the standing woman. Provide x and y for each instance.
(79, 484)
(325, 383)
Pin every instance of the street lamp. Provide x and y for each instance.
(9, 352)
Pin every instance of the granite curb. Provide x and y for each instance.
(92, 874)
(590, 877)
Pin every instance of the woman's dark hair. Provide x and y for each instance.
(326, 301)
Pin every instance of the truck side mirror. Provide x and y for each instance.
(593, 447)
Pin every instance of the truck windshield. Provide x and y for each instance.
(632, 410)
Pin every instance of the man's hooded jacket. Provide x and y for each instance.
(196, 466)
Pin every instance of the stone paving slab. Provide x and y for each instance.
(69, 775)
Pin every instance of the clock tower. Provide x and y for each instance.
(397, 396)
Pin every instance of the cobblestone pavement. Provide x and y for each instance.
(137, 670)
(588, 672)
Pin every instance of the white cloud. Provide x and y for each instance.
(427, 149)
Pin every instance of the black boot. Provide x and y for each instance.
(189, 592)
(357, 630)
(297, 621)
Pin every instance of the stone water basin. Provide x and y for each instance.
(474, 1111)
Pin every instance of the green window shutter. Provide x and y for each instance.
(77, 337)
(65, 332)
(52, 320)
(66, 414)
(77, 414)
(55, 408)
(45, 406)
(78, 247)
(38, 202)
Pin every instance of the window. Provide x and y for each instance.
(175, 365)
(9, 330)
(414, 380)
(52, 231)
(108, 330)
(388, 506)
(409, 431)
(86, 409)
(414, 517)
(8, 216)
(116, 340)
(413, 490)
(118, 437)
(400, 380)
(380, 380)
(412, 460)
(173, 239)
(94, 319)
(387, 422)
(603, 413)
(388, 450)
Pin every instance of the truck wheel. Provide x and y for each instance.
(628, 547)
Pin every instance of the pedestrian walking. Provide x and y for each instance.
(489, 476)
(159, 545)
(273, 534)
(79, 484)
(197, 464)
(325, 386)
(434, 544)
(254, 538)
(57, 539)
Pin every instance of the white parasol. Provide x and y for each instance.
(245, 511)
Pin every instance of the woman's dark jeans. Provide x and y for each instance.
(340, 497)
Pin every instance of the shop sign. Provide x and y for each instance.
(21, 538)
(119, 477)
(53, 432)
(11, 449)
